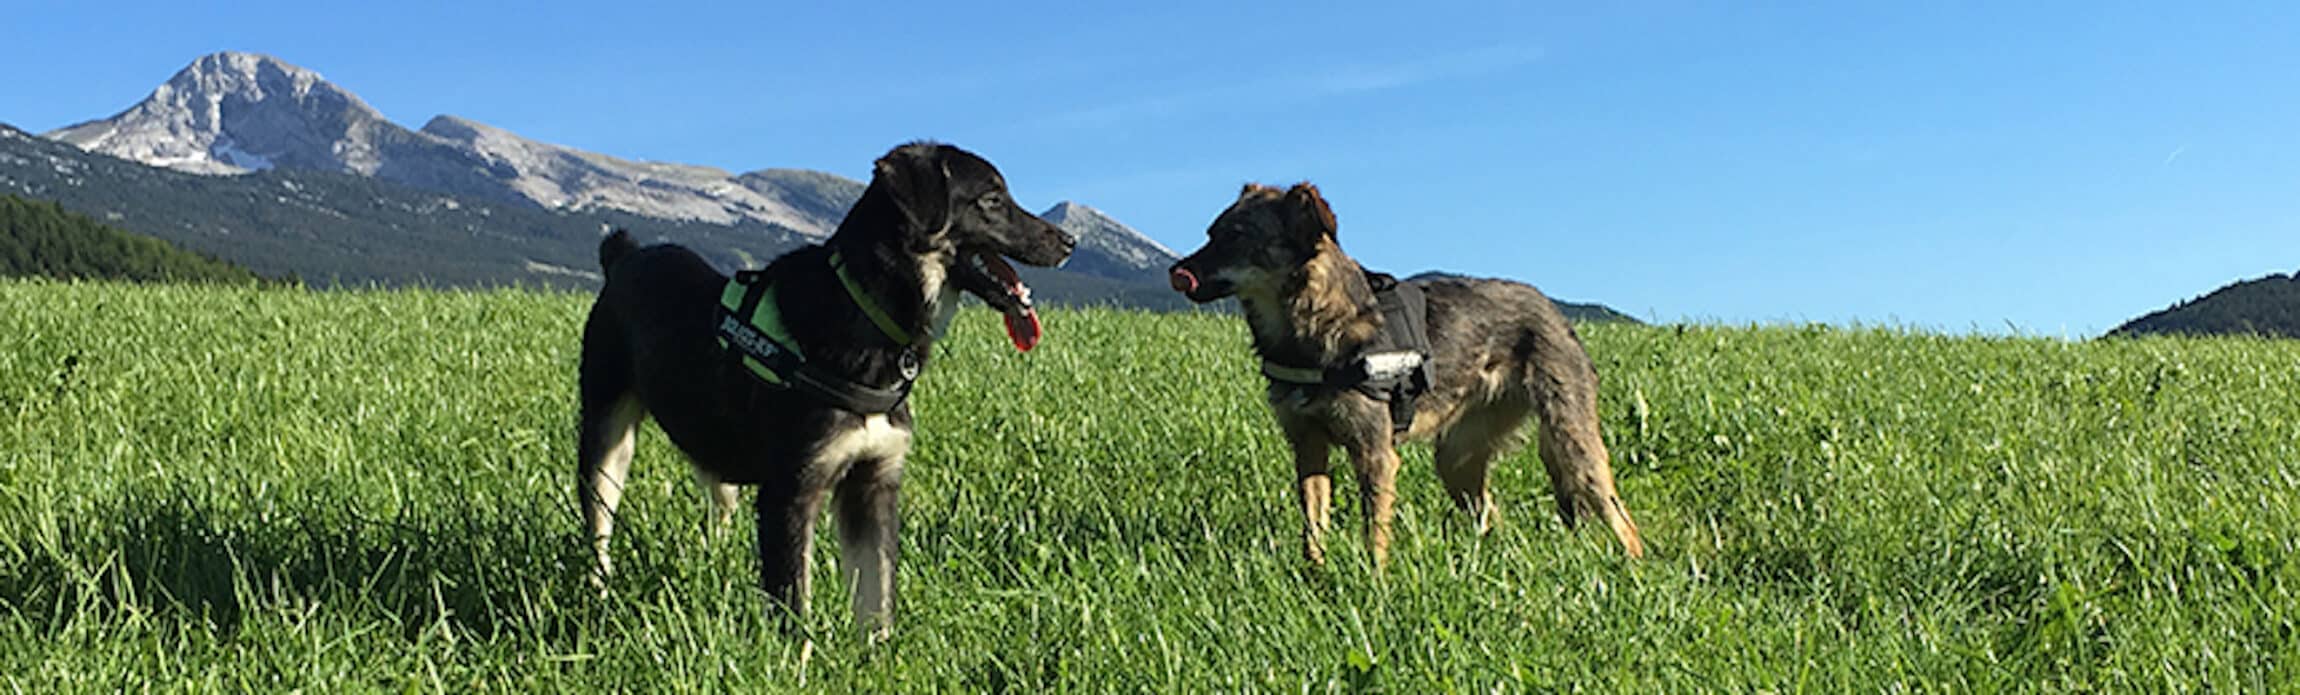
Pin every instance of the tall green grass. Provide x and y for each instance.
(243, 489)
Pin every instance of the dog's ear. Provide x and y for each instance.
(919, 183)
(1308, 214)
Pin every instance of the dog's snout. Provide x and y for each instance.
(1184, 281)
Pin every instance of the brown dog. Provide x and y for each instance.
(1498, 352)
(855, 321)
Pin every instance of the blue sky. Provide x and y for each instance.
(2055, 167)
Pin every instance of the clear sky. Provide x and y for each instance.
(2055, 167)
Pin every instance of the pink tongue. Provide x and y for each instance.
(1021, 323)
(1023, 328)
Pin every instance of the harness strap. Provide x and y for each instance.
(1395, 370)
(751, 329)
(886, 324)
(1377, 370)
(1308, 376)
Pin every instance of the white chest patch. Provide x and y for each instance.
(945, 308)
(932, 271)
(874, 439)
(941, 296)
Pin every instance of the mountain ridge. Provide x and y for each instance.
(337, 230)
(250, 158)
(232, 113)
(342, 230)
(1589, 312)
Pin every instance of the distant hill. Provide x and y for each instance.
(1574, 311)
(2266, 306)
(41, 239)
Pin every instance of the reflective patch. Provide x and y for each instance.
(1391, 365)
(758, 338)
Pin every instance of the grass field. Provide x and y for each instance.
(237, 489)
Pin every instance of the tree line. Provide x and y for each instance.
(42, 239)
(2266, 306)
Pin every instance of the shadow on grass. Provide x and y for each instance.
(195, 564)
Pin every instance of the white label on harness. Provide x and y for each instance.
(747, 339)
(1391, 364)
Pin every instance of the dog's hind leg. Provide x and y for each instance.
(603, 460)
(1573, 449)
(610, 415)
(1465, 455)
(1313, 479)
(868, 500)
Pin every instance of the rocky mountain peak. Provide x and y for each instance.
(234, 112)
(1123, 252)
(1063, 211)
(258, 78)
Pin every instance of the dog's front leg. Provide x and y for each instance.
(1376, 460)
(869, 498)
(1315, 483)
(786, 539)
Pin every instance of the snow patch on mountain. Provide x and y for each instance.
(231, 154)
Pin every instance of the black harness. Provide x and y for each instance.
(1394, 368)
(750, 327)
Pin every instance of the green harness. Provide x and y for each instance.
(750, 328)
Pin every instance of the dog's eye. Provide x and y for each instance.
(988, 200)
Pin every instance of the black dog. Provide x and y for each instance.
(857, 316)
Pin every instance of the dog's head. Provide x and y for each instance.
(1265, 237)
(955, 207)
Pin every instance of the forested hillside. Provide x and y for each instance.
(43, 239)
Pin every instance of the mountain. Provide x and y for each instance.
(817, 195)
(42, 239)
(2265, 306)
(1107, 247)
(230, 113)
(339, 229)
(564, 178)
(234, 113)
(1578, 312)
(267, 164)
(335, 228)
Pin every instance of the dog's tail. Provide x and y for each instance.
(615, 247)
(1564, 386)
